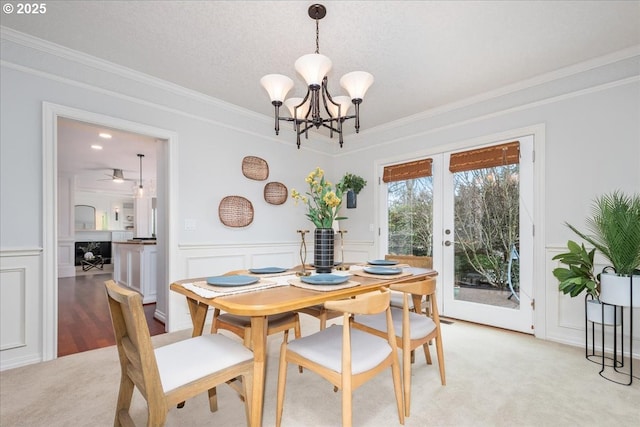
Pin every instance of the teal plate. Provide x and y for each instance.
(382, 270)
(239, 280)
(267, 270)
(324, 279)
(382, 262)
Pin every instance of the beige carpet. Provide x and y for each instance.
(494, 378)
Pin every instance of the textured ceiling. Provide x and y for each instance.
(423, 54)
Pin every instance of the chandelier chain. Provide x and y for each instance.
(317, 37)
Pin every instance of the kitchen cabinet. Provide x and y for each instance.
(135, 264)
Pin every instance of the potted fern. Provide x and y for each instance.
(615, 232)
(352, 185)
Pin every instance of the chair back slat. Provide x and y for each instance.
(420, 287)
(369, 303)
(133, 340)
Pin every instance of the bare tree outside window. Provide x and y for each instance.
(487, 225)
(410, 211)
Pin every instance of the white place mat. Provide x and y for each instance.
(203, 289)
(363, 273)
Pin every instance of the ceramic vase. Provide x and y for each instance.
(352, 199)
(594, 313)
(323, 243)
(616, 290)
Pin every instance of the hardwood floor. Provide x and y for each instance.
(84, 322)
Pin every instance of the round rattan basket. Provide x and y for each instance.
(255, 168)
(235, 211)
(275, 193)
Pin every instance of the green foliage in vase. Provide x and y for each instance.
(323, 199)
(615, 228)
(579, 275)
(353, 182)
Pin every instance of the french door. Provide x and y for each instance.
(477, 206)
(487, 239)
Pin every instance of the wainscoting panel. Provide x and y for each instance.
(66, 258)
(13, 304)
(21, 301)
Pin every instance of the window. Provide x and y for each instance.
(410, 208)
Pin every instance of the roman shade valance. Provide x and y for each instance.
(410, 170)
(486, 157)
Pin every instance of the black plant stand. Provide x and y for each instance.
(617, 364)
(590, 354)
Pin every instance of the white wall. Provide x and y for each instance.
(211, 140)
(590, 118)
(591, 135)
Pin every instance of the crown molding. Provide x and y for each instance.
(102, 65)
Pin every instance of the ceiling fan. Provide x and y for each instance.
(117, 176)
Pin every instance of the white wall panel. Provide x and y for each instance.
(12, 301)
(20, 300)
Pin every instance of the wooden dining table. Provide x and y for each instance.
(261, 303)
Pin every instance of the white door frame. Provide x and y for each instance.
(539, 275)
(50, 114)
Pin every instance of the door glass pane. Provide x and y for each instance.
(486, 218)
(410, 213)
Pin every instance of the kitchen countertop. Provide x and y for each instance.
(137, 242)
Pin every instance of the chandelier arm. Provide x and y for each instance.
(356, 103)
(308, 125)
(276, 106)
(330, 126)
(326, 96)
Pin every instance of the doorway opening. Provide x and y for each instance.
(58, 229)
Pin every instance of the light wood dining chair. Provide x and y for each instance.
(175, 372)
(344, 356)
(412, 330)
(412, 261)
(241, 325)
(321, 313)
(318, 311)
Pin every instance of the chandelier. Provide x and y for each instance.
(307, 112)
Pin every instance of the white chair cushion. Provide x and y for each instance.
(420, 325)
(185, 361)
(397, 299)
(325, 348)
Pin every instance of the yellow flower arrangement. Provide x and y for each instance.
(323, 199)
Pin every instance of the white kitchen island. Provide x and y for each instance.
(135, 266)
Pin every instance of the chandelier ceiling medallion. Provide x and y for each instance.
(306, 112)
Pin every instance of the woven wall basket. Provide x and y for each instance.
(235, 211)
(275, 193)
(255, 168)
